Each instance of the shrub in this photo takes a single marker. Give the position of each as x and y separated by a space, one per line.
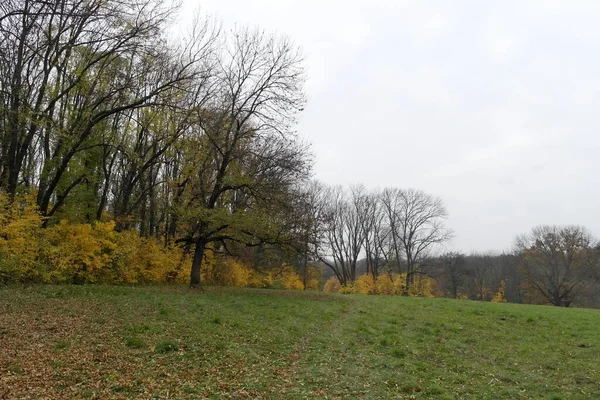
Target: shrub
364 284
166 346
20 226
314 277
332 285
287 278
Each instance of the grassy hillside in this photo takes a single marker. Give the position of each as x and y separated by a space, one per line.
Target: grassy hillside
119 342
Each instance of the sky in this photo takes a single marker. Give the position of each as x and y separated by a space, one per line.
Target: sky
494 106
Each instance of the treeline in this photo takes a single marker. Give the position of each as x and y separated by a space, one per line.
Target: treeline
393 241
130 156
106 117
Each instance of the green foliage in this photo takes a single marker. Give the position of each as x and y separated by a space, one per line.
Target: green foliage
135 342
166 346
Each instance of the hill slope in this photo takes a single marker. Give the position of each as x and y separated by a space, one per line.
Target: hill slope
118 342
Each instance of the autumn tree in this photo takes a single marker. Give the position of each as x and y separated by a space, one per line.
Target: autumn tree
558 262
69 71
242 156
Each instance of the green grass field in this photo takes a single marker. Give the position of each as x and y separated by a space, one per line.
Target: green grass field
120 342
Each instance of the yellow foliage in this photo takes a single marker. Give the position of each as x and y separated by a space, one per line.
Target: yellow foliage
499 297
364 284
313 277
259 279
347 289
20 224
96 253
141 260
422 286
228 272
390 284
332 285
79 253
287 278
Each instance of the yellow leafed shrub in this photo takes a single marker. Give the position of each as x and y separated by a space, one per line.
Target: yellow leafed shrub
228 272
79 253
499 297
364 284
314 276
388 284
146 260
20 224
332 285
287 278
422 286
260 279
96 253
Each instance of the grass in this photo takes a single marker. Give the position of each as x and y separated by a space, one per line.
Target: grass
121 342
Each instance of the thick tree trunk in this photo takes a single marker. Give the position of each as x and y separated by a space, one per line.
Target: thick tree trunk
197 263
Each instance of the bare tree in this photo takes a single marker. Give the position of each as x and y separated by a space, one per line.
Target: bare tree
375 232
309 213
343 233
416 223
453 269
558 262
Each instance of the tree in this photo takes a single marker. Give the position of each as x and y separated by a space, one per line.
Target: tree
242 158
416 223
375 233
69 71
558 262
453 269
343 233
309 212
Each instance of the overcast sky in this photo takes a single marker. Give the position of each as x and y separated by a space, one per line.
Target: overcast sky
492 105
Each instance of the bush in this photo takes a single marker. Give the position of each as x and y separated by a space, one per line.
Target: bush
166 346
332 285
20 226
79 253
287 278
384 284
228 272
314 277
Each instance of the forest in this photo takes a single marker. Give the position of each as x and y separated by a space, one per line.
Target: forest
132 152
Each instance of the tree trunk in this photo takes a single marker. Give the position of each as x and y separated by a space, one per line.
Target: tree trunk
197 263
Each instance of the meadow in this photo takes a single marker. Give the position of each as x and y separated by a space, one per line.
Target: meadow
172 342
